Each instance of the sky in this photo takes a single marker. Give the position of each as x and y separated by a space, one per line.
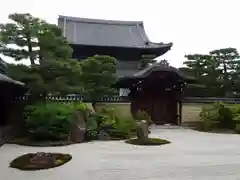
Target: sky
193 26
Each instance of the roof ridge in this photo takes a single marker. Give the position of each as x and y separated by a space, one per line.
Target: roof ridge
99 21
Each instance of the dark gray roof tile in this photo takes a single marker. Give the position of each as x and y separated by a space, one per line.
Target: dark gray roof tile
157 67
83 31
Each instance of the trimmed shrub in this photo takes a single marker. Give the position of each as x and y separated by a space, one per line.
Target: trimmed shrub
124 128
226 118
97 122
50 121
219 116
107 120
209 117
236 114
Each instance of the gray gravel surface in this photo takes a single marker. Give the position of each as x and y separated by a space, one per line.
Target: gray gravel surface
192 155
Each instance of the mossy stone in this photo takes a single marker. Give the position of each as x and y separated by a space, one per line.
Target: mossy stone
39 161
148 142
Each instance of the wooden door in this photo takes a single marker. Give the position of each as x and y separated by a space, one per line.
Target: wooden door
172 112
159 111
164 111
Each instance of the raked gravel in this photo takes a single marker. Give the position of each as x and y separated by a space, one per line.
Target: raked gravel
192 155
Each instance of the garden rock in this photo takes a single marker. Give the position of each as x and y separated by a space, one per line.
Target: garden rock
142 129
77 131
103 136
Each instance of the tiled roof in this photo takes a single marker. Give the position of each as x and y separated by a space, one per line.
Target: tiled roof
83 31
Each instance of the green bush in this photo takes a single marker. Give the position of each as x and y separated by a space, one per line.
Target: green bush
209 117
226 118
236 114
120 127
124 128
81 107
236 119
97 122
50 121
108 121
219 116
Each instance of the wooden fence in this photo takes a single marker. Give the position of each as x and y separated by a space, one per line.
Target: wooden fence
119 99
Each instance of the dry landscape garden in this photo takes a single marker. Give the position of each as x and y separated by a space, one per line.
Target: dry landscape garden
63 118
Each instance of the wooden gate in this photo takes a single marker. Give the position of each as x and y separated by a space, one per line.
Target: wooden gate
163 110
157 89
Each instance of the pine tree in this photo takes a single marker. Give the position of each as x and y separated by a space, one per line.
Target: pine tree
28 37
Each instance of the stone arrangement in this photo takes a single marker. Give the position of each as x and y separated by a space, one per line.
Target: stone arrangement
142 130
78 129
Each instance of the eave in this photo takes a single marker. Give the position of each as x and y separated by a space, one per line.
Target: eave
126 82
6 79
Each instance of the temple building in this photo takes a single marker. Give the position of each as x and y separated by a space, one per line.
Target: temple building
127 41
157 89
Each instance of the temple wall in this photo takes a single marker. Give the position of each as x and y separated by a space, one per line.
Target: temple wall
190 111
122 109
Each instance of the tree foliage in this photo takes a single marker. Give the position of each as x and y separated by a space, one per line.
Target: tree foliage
55 73
98 76
28 37
218 71
59 77
62 76
30 76
52 44
33 39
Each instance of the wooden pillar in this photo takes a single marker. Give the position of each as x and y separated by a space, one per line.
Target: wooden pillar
180 112
181 102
